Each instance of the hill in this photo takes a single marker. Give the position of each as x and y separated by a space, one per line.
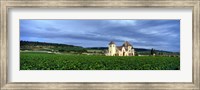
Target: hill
136 49
140 51
64 48
54 47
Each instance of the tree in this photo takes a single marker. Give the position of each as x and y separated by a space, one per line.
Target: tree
153 52
136 54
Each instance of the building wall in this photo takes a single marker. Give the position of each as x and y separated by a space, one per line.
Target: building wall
112 51
133 51
124 52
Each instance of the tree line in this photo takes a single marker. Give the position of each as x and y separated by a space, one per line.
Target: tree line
55 47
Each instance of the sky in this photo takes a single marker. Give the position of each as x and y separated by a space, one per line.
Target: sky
157 34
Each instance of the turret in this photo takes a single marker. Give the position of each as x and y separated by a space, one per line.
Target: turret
112 48
128 45
132 50
129 49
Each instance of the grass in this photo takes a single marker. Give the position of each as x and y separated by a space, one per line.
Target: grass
44 61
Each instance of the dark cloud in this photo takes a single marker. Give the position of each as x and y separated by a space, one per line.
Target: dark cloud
158 34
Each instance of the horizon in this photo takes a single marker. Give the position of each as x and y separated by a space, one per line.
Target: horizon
158 34
103 46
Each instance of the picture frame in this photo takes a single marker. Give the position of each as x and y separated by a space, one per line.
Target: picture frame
4 44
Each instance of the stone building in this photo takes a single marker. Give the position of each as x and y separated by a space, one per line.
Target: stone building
125 50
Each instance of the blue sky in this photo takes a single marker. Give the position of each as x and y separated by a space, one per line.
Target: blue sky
158 34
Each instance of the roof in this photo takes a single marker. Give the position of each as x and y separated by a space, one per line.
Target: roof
120 48
126 43
111 42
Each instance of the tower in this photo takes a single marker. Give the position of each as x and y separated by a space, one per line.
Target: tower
128 46
129 49
112 49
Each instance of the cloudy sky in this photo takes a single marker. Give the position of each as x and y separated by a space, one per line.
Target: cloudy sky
158 34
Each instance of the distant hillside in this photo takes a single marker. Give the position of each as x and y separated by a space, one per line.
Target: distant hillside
55 47
141 51
97 48
43 46
136 49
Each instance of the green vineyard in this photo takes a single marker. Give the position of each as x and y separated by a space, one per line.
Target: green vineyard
45 61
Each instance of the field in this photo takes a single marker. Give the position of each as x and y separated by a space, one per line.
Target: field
45 61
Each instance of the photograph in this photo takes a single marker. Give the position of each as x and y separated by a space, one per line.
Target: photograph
99 44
